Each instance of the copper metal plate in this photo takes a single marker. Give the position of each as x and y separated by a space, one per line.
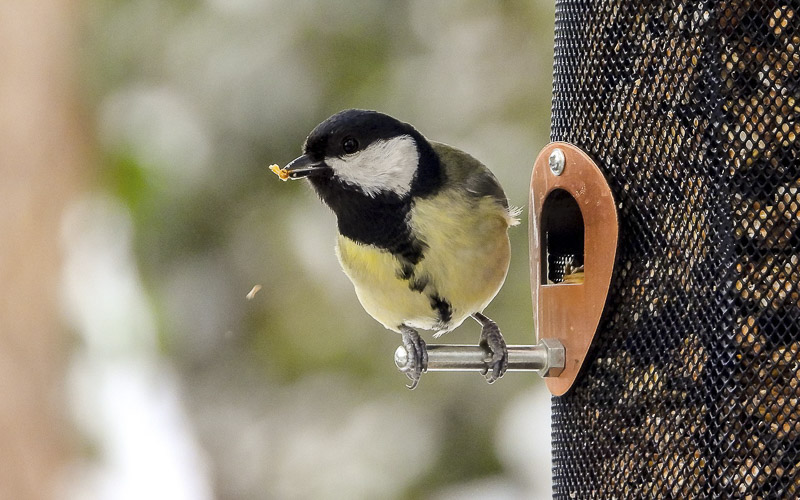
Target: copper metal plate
572 312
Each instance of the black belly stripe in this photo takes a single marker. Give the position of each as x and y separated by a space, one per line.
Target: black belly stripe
443 309
406 271
417 283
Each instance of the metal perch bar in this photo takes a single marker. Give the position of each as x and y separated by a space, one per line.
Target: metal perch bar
547 357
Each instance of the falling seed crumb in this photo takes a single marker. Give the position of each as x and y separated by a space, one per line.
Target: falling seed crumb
252 293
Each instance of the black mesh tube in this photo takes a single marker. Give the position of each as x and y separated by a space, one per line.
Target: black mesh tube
691 110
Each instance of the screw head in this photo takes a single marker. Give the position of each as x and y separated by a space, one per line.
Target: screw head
556 161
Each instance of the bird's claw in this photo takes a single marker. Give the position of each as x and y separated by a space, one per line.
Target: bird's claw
497 362
417 362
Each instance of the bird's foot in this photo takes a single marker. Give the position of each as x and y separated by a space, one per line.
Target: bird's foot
417 362
492 339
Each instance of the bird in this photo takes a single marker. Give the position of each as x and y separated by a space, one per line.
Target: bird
422 228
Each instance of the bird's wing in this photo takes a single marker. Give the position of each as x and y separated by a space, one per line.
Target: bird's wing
464 170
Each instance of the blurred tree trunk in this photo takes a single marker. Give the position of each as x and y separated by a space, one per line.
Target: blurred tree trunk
42 154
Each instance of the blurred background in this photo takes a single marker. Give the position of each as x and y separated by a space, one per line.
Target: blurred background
138 212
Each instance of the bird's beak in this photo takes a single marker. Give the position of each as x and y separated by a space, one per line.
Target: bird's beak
304 166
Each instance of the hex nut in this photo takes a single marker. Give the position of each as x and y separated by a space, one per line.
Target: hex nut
555 357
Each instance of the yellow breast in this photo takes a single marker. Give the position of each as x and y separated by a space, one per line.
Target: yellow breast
469 250
465 263
383 294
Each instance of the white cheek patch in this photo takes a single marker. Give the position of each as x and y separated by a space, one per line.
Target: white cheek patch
384 165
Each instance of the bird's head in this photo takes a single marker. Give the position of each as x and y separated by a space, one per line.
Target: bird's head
367 154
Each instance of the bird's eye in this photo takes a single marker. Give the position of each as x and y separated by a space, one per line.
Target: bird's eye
349 145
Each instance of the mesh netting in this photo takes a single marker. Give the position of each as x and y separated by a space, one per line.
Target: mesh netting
693 387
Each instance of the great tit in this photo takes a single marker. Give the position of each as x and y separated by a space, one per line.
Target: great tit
422 228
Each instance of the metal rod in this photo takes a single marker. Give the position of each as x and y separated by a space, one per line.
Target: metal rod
547 357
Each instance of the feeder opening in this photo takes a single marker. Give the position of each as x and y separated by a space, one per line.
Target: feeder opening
562 240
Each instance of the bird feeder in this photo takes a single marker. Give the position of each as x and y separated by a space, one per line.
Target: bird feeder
691 112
